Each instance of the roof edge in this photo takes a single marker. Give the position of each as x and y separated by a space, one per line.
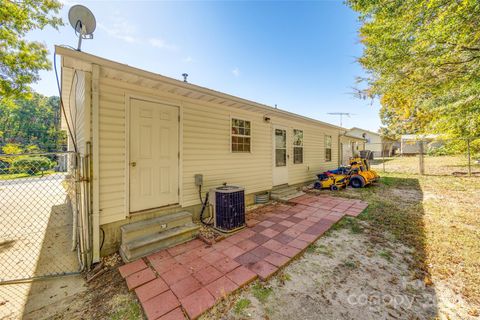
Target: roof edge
64 51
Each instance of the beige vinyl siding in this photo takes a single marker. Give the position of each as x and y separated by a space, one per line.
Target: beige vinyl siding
112 152
77 107
313 150
207 150
374 140
205 138
67 77
347 148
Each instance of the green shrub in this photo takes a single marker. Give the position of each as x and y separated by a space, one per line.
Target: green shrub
441 151
31 165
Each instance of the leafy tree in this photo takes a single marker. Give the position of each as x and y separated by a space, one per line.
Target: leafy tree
20 59
11 148
33 124
423 61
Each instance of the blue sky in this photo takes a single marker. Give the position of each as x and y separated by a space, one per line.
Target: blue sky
297 55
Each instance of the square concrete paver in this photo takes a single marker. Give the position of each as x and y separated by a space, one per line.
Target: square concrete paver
207 275
269 233
196 265
162 266
138 278
198 302
185 287
279 227
272 244
159 256
259 238
299 244
132 267
151 289
191 277
176 274
233 252
283 238
160 305
175 314
288 251
241 276
247 259
247 245
264 269
221 287
213 256
226 265
277 259
261 252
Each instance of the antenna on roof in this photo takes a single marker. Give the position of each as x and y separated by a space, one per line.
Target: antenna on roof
83 22
341 114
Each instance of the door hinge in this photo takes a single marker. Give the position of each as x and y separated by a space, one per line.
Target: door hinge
178 154
178 118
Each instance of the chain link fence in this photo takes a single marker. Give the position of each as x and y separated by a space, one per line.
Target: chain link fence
37 227
427 156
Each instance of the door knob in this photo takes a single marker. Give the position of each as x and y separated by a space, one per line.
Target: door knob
133 164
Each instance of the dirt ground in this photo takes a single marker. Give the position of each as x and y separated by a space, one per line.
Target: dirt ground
413 254
106 297
345 275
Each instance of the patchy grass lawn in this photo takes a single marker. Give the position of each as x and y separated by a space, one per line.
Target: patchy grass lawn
434 165
437 216
416 246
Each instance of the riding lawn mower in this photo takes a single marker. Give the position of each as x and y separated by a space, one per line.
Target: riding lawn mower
357 175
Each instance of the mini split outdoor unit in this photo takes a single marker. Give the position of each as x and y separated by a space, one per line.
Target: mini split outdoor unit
228 208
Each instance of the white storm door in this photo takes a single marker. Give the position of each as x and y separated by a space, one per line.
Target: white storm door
154 155
280 156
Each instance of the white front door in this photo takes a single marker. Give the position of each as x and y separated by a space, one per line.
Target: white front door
154 155
280 156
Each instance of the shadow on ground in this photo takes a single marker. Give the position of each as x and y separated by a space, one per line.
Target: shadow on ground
36 240
370 267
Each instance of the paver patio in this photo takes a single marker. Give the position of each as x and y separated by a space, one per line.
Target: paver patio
190 278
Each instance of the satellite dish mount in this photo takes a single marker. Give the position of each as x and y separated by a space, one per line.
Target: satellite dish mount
83 22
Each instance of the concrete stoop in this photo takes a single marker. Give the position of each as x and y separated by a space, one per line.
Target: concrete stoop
285 193
142 238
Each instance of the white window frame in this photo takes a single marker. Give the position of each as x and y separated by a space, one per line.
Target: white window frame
296 146
240 135
331 147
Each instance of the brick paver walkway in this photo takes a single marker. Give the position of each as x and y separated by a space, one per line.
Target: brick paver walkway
190 278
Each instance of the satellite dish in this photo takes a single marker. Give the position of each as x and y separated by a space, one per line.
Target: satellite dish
83 22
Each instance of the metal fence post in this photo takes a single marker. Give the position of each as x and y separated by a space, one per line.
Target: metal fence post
421 162
469 158
383 160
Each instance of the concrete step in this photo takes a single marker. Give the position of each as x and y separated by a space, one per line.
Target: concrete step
149 244
147 227
291 196
283 192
